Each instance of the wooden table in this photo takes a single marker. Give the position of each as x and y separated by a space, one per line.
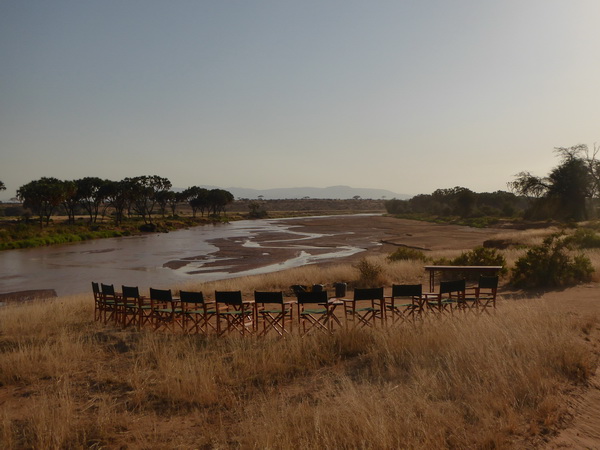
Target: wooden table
489 270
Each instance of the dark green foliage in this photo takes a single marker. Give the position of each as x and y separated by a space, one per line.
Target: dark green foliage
406 253
479 256
583 238
550 265
369 273
257 210
459 202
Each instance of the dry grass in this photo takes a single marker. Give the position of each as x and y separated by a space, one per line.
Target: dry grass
485 382
469 382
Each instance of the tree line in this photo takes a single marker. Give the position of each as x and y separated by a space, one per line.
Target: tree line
142 196
569 192
458 201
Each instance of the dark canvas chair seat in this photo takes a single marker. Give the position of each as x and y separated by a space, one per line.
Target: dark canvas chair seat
197 314
163 309
314 312
109 302
450 297
483 297
273 312
406 302
366 308
129 306
233 312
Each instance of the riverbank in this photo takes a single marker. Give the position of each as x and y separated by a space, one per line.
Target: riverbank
219 251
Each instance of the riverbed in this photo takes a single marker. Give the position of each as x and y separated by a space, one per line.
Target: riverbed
219 251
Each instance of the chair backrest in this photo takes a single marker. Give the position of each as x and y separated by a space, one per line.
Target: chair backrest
130 292
96 290
312 297
191 297
108 290
448 287
298 288
268 297
368 293
161 295
407 290
229 297
488 282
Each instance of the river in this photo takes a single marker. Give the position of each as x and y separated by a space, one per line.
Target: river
202 253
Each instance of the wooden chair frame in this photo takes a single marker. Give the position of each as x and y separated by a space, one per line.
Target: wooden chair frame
163 309
451 294
129 306
406 303
196 314
237 313
365 316
109 302
319 319
274 312
483 296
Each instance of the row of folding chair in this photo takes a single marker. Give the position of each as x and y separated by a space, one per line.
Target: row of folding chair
270 312
191 313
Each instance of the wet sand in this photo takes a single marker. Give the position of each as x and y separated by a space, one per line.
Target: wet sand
375 234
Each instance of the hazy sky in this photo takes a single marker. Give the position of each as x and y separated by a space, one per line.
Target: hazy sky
408 96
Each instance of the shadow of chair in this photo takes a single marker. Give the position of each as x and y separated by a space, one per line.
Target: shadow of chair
274 313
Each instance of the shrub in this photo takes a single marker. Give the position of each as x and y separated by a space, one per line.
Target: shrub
406 253
370 273
550 265
584 238
479 256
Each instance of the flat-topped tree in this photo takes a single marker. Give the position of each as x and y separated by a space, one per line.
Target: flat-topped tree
42 196
145 190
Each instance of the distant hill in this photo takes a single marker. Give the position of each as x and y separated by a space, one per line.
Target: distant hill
333 192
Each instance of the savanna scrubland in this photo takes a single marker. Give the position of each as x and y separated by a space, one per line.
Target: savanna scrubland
510 379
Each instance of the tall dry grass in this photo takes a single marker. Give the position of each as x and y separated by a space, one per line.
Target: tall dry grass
494 381
464 382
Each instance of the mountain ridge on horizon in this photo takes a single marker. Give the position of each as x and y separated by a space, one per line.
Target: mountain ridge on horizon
330 192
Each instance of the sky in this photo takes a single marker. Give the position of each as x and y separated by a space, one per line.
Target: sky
408 96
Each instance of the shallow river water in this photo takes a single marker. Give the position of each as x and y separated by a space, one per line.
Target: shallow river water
161 260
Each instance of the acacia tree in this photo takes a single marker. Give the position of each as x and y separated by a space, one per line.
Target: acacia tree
218 199
70 200
146 192
2 187
197 198
118 195
42 196
165 199
564 192
91 195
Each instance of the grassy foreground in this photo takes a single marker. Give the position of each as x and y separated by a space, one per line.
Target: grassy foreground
471 382
494 381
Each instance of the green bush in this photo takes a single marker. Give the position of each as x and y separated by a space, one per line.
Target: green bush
407 254
584 238
370 273
550 265
479 256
